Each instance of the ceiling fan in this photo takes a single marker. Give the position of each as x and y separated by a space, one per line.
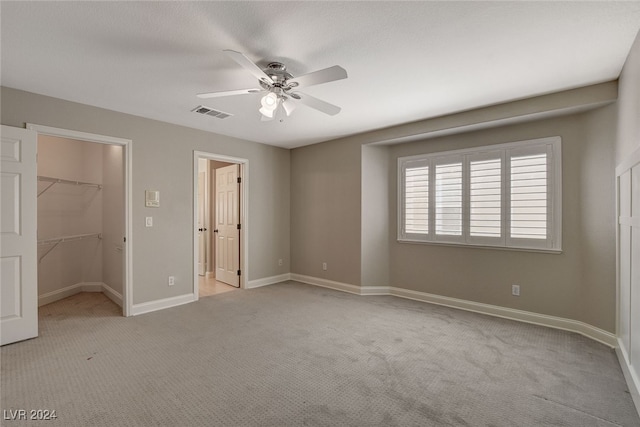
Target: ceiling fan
280 87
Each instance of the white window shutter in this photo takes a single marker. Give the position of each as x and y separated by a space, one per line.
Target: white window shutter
448 198
529 194
416 199
485 198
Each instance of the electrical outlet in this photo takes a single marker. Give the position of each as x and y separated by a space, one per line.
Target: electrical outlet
148 221
324 266
515 290
280 262
172 280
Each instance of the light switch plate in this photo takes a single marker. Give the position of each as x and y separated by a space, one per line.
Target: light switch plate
148 221
152 198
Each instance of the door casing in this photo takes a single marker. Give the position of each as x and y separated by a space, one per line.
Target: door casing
127 289
244 217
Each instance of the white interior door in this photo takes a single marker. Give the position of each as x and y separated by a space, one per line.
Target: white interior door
18 253
202 223
227 223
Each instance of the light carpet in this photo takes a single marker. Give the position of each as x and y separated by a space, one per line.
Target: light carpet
297 355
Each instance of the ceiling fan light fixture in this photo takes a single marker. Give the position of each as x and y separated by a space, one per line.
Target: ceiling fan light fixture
269 101
288 107
267 112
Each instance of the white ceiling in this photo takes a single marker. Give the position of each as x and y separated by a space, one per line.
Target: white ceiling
406 60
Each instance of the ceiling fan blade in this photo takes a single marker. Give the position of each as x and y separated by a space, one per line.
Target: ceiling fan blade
249 65
321 76
228 93
316 103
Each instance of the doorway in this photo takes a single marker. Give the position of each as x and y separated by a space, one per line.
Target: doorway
84 213
220 226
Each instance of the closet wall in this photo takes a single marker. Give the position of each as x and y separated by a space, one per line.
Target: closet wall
87 264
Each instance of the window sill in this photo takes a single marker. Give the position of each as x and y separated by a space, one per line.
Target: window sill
479 246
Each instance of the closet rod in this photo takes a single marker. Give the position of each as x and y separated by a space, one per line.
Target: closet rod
57 240
54 181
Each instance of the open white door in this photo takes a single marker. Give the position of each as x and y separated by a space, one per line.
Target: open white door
202 224
18 252
227 226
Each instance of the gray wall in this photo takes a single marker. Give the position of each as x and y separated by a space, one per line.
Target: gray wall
375 216
331 209
629 105
113 216
325 210
163 160
577 284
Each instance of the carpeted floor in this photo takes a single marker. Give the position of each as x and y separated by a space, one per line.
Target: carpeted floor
295 355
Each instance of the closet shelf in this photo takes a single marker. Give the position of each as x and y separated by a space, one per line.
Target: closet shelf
54 181
55 241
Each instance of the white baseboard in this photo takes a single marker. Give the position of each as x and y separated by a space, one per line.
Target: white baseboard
630 375
59 294
581 328
325 283
375 290
265 281
112 294
161 304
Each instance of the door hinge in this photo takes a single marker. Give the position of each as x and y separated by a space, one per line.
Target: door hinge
239 180
125 240
238 272
239 227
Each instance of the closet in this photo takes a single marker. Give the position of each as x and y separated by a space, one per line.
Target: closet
80 219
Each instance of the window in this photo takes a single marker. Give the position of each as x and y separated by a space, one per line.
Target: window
506 195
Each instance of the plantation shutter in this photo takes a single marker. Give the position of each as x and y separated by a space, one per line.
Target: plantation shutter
416 199
485 197
448 197
529 196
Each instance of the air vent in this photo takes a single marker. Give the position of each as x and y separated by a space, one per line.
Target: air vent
201 109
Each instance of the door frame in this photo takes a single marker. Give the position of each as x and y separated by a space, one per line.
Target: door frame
127 289
244 217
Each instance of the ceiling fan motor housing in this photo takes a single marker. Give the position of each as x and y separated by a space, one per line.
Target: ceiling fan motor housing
277 71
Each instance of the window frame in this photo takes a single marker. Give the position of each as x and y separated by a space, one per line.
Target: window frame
505 151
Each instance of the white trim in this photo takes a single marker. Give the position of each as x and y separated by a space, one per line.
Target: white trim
59 294
554 322
630 375
266 281
581 328
68 291
325 283
112 294
161 304
375 290
553 241
244 215
127 144
630 161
